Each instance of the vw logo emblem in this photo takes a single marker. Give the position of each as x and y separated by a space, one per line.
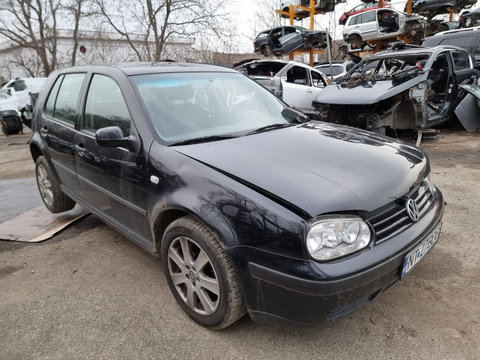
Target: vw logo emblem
412 210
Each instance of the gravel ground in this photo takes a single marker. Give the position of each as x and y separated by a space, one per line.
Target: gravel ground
89 293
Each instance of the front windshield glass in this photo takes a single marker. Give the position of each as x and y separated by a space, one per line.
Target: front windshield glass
188 106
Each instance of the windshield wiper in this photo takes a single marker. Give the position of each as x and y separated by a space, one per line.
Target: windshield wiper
269 127
203 139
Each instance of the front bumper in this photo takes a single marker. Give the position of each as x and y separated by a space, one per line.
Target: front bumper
304 292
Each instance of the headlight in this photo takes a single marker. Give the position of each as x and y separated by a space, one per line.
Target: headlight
335 236
430 185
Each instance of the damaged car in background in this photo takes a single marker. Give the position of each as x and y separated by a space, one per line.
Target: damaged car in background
412 88
285 39
320 6
432 8
382 24
295 83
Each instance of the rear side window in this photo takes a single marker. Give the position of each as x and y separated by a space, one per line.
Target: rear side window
461 60
105 106
62 101
354 20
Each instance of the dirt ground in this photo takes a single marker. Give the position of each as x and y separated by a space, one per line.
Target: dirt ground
89 293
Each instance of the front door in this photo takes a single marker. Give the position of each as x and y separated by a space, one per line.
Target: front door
297 89
113 180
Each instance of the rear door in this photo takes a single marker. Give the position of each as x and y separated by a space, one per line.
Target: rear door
368 26
58 126
113 180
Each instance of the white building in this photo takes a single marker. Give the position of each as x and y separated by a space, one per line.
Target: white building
94 47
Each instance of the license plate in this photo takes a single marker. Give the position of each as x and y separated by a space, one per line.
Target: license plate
414 256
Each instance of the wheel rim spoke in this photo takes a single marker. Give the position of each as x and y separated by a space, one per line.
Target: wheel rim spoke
207 303
201 260
190 296
187 256
177 259
178 279
210 284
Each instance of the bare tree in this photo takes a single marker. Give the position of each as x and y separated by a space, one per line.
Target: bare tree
79 10
265 15
147 25
32 24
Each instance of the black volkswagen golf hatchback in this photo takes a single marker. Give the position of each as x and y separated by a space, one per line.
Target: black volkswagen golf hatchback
250 207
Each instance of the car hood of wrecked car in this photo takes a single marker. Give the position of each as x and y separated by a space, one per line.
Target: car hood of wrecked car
317 167
366 93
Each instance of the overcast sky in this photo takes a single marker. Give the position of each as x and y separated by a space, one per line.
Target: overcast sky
246 10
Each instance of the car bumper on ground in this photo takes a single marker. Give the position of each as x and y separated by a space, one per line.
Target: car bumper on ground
304 292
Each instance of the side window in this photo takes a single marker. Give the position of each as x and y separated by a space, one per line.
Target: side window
298 75
461 60
354 20
368 17
62 104
317 80
105 106
50 104
461 41
19 85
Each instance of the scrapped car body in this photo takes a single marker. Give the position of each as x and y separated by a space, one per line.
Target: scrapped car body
295 83
285 39
382 24
323 6
470 19
249 207
468 39
400 89
359 9
468 111
432 8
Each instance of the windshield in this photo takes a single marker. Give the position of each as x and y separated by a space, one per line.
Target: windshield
188 106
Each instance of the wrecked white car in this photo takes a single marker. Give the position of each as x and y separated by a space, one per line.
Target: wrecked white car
382 24
295 83
413 88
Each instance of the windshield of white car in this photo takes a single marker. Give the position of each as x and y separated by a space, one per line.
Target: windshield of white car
187 106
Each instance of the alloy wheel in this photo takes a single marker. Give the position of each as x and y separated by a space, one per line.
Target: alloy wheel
45 185
193 276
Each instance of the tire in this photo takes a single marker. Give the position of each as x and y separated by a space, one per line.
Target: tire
266 50
206 288
53 198
356 41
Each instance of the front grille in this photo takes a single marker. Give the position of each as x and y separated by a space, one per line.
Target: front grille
393 218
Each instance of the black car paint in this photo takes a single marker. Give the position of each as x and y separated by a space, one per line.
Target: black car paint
260 217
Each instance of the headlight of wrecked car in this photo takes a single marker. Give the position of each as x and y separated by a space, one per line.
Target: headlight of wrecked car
331 237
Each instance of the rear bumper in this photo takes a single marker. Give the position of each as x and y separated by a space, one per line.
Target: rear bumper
302 292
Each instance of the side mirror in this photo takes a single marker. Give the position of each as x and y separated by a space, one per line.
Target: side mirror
112 136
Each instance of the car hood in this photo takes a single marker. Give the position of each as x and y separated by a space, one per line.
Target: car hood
317 168
367 94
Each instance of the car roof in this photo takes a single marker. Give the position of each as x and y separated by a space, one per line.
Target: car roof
139 68
455 31
415 51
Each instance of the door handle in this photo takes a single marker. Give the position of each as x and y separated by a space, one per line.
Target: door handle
44 130
80 149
